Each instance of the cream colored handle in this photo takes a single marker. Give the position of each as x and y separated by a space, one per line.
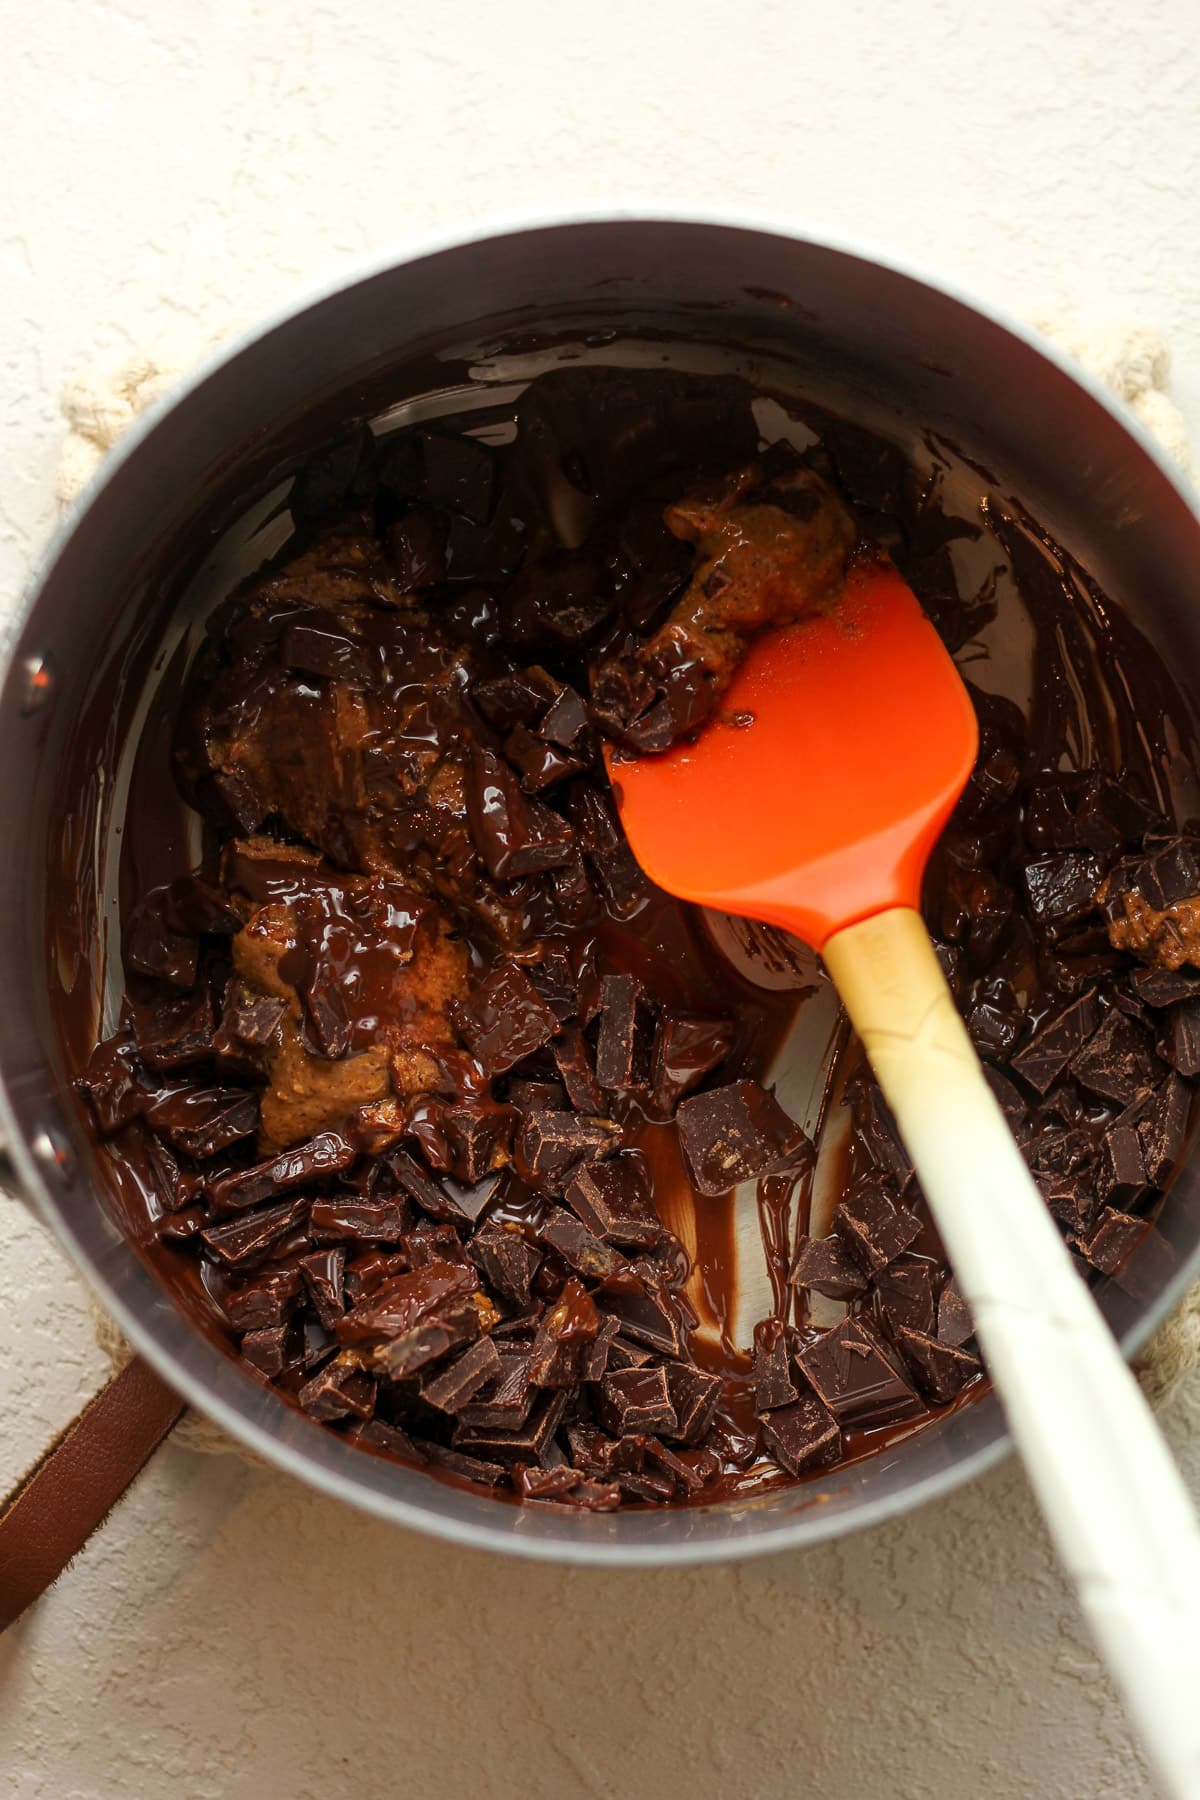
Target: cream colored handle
1116 1506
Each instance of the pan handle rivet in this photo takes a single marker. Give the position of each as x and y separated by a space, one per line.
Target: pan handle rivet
38 683
53 1150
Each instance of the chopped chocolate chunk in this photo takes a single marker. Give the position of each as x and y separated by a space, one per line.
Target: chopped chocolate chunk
266 1349
636 1400
540 764
802 1436
878 1135
954 1322
613 1200
318 647
825 1265
373 1434
875 1228
905 1293
1120 1174
621 1353
856 1377
506 1261
457 1322
325 1154
549 1143
460 474
239 1240
193 907
323 1273
441 1199
612 862
1181 1045
564 718
109 1084
403 1302
772 1377
203 1121
942 1370
479 1136
514 834
1062 888
417 545
177 1033
1118 1061
537 1096
343 1218
544 1484
526 1443
579 1249
454 1385
737 1133
1042 1060
1113 1240
563 1339
151 948
504 1020
466 1468
1165 987
265 1301
686 1049
338 1391
1163 1129
638 1296
507 1398
623 1043
574 1060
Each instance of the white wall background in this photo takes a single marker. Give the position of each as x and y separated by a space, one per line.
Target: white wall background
167 166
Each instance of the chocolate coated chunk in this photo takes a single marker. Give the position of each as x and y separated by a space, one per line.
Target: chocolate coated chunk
177 1033
686 1049
564 719
1165 987
635 1400
151 948
405 1300
467 1468
1181 1045
878 1135
1042 1060
586 1254
459 474
325 1154
772 1376
560 1350
504 1020
1120 1174
417 546
544 1484
611 861
613 1200
954 1322
323 1273
506 1261
802 1436
266 1349
193 907
340 1390
239 1240
373 1434
342 1217
538 1096
638 1297
264 1302
520 697
506 1400
453 1386
905 1293
540 764
247 1026
623 1042
1118 1061
455 1323
434 1197
1062 888
574 1061
856 1378
1172 874
826 1266
203 1121
110 1086
1113 1240
737 1133
1163 1129
942 1370
316 645
549 1143
875 1228
528 1443
514 834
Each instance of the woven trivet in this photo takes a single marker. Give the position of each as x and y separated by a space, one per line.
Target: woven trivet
1129 359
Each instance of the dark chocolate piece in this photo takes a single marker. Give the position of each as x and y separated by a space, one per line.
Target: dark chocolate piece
772 1373
1113 1240
564 719
110 1086
638 1297
802 1436
1163 1129
527 1443
239 1240
265 1301
1118 1061
405 1300
1165 987
856 1377
550 1143
579 1249
506 1261
323 1272
454 1385
1042 1060
562 1343
826 1266
151 948
506 1400
338 1391
203 1121
514 833
623 1042
613 1200
483 1473
636 1400
1181 1045
905 1293
504 1020
737 1133
266 1349
1120 1172
1062 888
875 1228
611 861
686 1049
342 1218
325 1154
574 1061
177 1033
954 1322
942 1370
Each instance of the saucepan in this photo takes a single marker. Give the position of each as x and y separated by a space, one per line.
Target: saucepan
857 331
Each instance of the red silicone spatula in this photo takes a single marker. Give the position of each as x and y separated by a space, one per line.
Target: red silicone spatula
817 811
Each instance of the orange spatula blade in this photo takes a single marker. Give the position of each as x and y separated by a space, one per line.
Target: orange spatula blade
822 805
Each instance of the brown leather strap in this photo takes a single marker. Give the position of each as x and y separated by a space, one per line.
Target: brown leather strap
55 1508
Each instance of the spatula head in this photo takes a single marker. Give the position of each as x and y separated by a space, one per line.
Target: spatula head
816 795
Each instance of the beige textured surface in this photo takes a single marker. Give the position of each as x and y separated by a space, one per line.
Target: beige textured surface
174 165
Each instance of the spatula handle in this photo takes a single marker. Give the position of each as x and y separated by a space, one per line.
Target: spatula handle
1114 1501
